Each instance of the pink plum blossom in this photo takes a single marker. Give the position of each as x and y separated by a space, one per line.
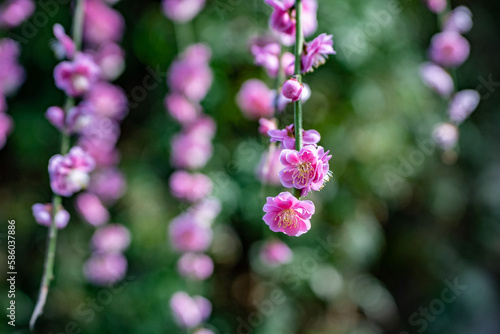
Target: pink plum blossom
188 234
91 209
182 10
104 154
113 238
70 173
275 252
255 100
105 268
56 117
110 58
64 47
436 6
205 211
195 266
267 170
189 312
5 128
190 150
267 56
437 78
182 109
11 72
102 24
459 20
15 12
445 135
43 215
316 52
449 49
292 89
282 101
266 125
78 118
191 187
108 184
287 137
463 104
76 77
299 167
287 214
108 100
288 63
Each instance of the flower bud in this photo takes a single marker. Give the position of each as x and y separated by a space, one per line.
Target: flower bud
292 89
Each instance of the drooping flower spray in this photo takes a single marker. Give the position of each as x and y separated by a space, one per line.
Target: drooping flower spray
449 49
189 79
91 114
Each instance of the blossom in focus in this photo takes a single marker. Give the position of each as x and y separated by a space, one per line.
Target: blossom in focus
189 312
91 209
191 187
292 89
188 234
282 101
255 100
102 24
195 266
64 47
105 268
70 173
275 252
316 52
268 169
449 49
43 215
322 175
437 78
112 238
287 214
76 77
463 104
445 135
460 20
299 168
287 137
182 109
182 10
15 12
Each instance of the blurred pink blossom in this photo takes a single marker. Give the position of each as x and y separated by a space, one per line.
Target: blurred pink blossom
287 137
76 77
182 10
56 117
15 12
105 268
269 166
110 58
111 239
189 312
64 47
108 184
182 109
187 234
266 125
191 187
459 20
108 100
195 266
275 252
449 49
463 104
102 24
91 209
445 135
43 215
190 150
437 78
255 100
267 56
436 6
11 72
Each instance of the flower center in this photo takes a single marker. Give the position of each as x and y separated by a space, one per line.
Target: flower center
287 218
304 172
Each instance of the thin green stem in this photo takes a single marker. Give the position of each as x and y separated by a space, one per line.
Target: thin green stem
48 269
297 107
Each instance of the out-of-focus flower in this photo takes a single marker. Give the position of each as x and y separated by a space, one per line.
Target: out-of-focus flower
107 100
292 89
275 253
255 100
203 331
191 187
64 47
316 52
5 128
76 77
113 238
181 109
15 12
437 78
195 266
102 24
287 214
267 56
449 49
70 173
104 154
463 104
111 60
56 117
182 10
91 209
287 137
266 125
445 135
268 169
187 234
459 20
43 215
190 75
436 6
11 72
288 63
190 150
109 184
78 118
105 268
205 211
189 312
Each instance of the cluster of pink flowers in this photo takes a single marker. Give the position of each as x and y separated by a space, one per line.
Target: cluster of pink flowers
91 165
189 79
448 50
12 14
304 168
